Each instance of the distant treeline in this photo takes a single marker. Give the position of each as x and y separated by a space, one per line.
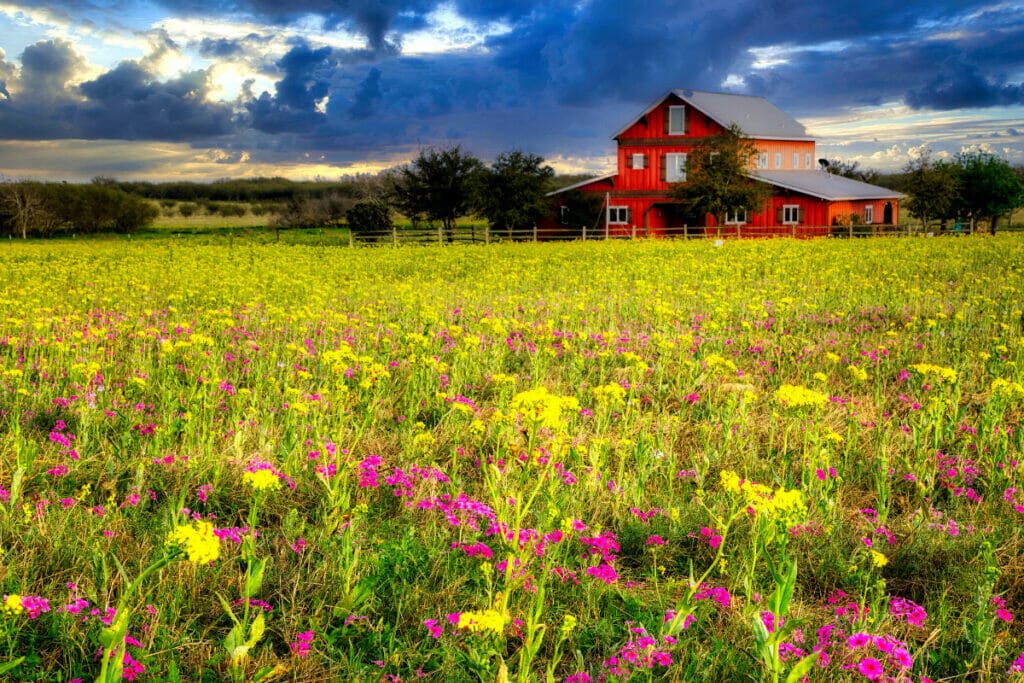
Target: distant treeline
268 190
45 209
275 190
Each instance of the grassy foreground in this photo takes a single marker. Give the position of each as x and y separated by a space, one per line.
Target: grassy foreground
601 461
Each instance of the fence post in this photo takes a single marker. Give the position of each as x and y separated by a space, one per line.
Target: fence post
792 230
534 232
351 240
739 231
487 234
850 229
394 235
584 232
634 232
440 233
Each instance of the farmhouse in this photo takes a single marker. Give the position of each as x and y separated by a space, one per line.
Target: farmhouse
652 153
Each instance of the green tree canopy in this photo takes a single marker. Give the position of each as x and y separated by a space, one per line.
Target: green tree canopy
438 185
717 180
933 187
512 191
989 187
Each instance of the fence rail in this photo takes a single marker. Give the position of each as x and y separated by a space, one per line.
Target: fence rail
484 235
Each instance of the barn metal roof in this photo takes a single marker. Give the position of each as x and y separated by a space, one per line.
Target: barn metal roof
825 185
580 184
756 116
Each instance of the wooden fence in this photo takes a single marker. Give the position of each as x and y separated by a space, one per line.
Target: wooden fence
484 235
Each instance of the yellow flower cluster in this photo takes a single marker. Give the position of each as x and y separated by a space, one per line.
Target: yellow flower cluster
798 396
611 394
12 604
878 559
482 621
858 374
940 373
200 544
262 480
786 506
543 408
1010 391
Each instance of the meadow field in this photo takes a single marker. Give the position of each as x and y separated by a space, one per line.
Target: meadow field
772 460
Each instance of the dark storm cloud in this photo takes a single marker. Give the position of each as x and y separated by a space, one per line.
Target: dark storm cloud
47 66
127 103
367 96
958 84
562 67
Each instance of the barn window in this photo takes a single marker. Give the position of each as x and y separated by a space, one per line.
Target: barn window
563 214
618 215
791 214
675 168
796 160
762 160
677 120
639 161
778 160
807 161
736 216
869 213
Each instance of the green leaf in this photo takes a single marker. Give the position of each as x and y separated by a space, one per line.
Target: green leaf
227 608
760 630
256 630
254 581
802 668
11 665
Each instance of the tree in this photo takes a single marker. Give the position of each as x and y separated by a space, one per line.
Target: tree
369 219
852 169
438 185
717 180
24 205
933 187
512 191
989 187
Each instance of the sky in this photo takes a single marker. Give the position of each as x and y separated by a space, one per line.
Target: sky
206 89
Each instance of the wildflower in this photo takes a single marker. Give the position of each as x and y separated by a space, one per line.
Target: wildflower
486 620
35 605
878 559
262 480
198 540
434 628
12 604
300 646
870 668
797 396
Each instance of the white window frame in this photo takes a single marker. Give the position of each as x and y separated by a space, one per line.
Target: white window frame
762 160
778 160
796 160
869 214
672 129
675 172
790 214
736 216
638 161
618 215
807 160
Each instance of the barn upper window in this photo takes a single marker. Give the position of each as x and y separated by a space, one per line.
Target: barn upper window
677 120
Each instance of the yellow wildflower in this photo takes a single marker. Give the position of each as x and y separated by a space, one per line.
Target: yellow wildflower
542 407
878 559
12 604
485 620
262 480
198 541
797 396
940 373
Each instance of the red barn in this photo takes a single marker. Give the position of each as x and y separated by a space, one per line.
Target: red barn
652 152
